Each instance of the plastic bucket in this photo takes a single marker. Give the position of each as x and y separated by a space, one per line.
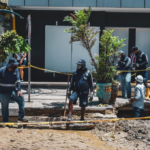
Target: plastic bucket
104 92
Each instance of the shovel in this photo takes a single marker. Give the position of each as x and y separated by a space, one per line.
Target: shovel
64 117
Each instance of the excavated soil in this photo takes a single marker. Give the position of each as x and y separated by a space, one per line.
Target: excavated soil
131 135
35 139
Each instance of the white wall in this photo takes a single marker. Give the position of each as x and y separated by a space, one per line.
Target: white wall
62 56
122 33
57 49
143 42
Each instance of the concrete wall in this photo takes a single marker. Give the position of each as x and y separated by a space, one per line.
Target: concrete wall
83 3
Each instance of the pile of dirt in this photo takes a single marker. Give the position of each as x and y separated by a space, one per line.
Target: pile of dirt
134 134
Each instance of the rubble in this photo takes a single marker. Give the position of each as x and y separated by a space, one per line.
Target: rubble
132 133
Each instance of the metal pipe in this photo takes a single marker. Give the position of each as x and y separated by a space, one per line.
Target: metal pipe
13 19
11 12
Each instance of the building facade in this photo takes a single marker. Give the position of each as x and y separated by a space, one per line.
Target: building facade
50 45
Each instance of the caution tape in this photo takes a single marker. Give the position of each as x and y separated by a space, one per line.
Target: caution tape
24 67
44 69
71 122
49 70
133 74
134 70
148 69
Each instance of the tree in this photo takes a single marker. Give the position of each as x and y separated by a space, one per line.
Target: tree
11 42
82 32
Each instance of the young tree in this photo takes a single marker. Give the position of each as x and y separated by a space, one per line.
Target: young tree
11 42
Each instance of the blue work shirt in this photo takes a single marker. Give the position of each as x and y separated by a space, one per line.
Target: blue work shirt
139 95
81 81
124 64
142 60
9 80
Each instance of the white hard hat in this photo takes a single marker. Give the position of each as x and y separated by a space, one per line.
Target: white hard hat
139 78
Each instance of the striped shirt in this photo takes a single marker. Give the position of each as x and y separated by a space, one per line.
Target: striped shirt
133 58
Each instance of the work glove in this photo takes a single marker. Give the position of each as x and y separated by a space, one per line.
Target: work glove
136 65
91 95
69 94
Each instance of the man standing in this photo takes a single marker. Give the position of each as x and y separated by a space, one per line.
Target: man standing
81 82
133 61
141 63
125 76
9 76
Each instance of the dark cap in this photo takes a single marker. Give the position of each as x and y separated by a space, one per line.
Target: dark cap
12 61
82 62
133 48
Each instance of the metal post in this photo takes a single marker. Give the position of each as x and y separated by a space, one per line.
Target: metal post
29 56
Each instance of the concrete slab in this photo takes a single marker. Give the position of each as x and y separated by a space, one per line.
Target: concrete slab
51 101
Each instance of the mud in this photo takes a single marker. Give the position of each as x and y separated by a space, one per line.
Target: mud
31 139
134 134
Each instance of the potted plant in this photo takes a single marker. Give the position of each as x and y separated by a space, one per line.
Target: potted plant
104 64
11 42
107 87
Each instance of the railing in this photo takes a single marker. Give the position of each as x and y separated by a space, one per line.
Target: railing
75 3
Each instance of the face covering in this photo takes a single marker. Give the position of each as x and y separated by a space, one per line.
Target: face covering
137 53
79 67
123 56
13 67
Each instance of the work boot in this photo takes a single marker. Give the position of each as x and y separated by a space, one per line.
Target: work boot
147 94
82 119
69 117
23 119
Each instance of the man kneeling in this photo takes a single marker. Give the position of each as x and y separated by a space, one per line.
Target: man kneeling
9 76
83 81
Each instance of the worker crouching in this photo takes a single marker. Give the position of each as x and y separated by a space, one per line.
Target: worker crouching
9 77
81 83
138 100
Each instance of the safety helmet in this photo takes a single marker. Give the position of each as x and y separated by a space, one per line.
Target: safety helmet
133 48
82 62
121 52
139 78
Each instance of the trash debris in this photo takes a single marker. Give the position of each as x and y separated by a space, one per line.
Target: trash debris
34 133
12 140
19 130
102 105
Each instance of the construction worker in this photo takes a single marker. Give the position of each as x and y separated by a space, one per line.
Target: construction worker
133 60
125 76
141 63
10 89
139 96
81 83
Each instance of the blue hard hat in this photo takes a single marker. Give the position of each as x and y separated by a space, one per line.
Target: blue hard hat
82 62
133 48
121 52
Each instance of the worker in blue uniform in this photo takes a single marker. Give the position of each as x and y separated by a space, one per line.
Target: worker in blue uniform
10 89
141 66
125 76
81 83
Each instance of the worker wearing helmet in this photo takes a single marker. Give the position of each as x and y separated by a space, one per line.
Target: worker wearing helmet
141 65
125 75
81 83
138 100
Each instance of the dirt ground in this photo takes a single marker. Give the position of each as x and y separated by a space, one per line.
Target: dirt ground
134 134
35 139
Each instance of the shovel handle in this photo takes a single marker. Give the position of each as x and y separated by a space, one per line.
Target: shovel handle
66 95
